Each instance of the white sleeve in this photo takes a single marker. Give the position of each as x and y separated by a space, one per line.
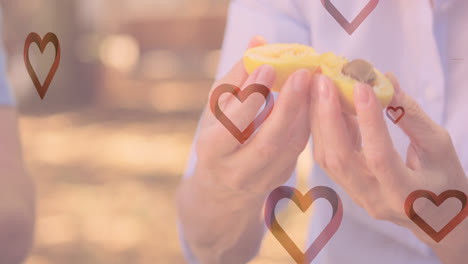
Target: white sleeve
277 21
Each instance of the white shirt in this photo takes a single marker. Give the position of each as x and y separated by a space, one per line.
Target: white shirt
425 47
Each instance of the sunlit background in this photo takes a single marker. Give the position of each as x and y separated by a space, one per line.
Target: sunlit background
108 145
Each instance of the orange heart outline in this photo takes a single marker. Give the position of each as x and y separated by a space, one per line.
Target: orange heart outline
350 27
303 202
42 43
437 200
241 95
395 109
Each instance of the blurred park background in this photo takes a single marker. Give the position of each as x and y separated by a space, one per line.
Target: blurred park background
109 143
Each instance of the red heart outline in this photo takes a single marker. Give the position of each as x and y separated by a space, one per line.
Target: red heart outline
395 109
437 200
241 95
49 37
350 27
303 202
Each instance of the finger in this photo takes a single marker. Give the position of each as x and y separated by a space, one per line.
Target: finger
338 157
317 149
335 136
240 115
255 41
378 148
353 128
422 131
280 129
244 113
238 75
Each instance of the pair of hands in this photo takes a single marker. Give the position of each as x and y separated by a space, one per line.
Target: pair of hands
356 151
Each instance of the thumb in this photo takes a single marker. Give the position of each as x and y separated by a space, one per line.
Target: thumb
423 132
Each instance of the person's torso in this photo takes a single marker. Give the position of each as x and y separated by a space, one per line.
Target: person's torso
425 47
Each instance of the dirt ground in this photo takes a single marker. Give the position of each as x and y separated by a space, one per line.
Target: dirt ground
106 180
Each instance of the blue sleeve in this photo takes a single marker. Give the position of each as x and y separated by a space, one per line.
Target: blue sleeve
6 97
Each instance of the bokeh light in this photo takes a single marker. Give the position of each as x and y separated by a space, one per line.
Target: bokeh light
120 52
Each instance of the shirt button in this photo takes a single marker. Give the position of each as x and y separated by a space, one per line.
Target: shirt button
430 94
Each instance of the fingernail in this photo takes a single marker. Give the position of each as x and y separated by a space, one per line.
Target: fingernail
301 80
318 70
266 76
259 38
361 94
255 41
324 90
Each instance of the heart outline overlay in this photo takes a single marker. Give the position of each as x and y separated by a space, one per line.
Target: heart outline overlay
241 95
395 109
42 44
344 23
303 202
437 200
